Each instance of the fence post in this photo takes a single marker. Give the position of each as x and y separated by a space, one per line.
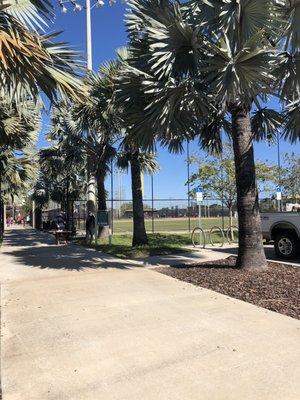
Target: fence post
112 197
152 202
189 186
33 214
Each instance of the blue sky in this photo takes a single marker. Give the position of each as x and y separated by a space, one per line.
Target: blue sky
109 34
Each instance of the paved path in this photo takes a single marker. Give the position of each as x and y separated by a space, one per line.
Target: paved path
80 326
209 253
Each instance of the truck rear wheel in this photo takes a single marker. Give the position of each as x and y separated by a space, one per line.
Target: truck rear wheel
286 245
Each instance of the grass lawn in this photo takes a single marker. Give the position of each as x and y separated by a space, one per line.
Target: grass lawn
159 244
170 224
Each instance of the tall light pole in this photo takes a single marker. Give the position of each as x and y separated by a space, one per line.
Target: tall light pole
188 182
279 194
91 181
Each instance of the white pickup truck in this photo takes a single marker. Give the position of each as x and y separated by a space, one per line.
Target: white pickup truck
284 229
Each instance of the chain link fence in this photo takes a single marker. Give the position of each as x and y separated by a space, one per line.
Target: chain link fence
177 216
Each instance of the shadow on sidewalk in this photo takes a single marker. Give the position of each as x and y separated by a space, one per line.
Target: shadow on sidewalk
21 237
36 250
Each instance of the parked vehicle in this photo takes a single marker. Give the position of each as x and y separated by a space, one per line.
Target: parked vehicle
283 228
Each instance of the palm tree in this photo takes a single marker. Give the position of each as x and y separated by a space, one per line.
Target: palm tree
67 130
139 162
31 62
19 124
101 151
99 116
131 154
19 127
210 63
96 115
62 174
17 172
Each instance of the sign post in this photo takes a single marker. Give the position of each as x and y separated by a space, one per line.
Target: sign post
199 195
279 197
104 220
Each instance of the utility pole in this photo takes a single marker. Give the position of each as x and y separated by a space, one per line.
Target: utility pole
91 181
279 174
33 214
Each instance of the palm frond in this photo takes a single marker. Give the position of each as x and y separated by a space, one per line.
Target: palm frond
291 127
19 124
30 63
266 124
31 13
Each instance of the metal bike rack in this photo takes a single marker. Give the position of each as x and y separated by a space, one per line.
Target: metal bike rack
200 231
232 227
218 229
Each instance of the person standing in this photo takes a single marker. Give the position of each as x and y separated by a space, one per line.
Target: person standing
90 227
60 222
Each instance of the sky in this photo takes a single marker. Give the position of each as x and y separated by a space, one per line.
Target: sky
108 33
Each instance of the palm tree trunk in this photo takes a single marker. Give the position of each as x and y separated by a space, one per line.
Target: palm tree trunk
101 191
251 253
2 216
103 231
139 230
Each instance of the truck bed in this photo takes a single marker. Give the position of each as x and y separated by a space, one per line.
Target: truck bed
286 220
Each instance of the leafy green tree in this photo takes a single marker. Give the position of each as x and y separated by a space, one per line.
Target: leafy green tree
209 64
290 177
216 174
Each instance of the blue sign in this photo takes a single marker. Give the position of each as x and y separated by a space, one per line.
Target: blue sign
279 194
199 190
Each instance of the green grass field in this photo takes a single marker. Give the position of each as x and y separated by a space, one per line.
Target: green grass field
170 224
159 244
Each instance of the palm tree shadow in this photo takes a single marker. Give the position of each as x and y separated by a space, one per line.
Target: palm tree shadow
71 258
26 237
36 249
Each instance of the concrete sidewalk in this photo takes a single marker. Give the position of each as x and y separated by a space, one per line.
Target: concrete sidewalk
79 326
210 253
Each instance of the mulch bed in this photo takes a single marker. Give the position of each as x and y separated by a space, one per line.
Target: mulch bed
276 288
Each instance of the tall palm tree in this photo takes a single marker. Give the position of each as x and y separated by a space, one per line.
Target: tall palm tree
211 63
17 172
131 154
101 150
62 174
139 163
99 116
19 127
68 126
